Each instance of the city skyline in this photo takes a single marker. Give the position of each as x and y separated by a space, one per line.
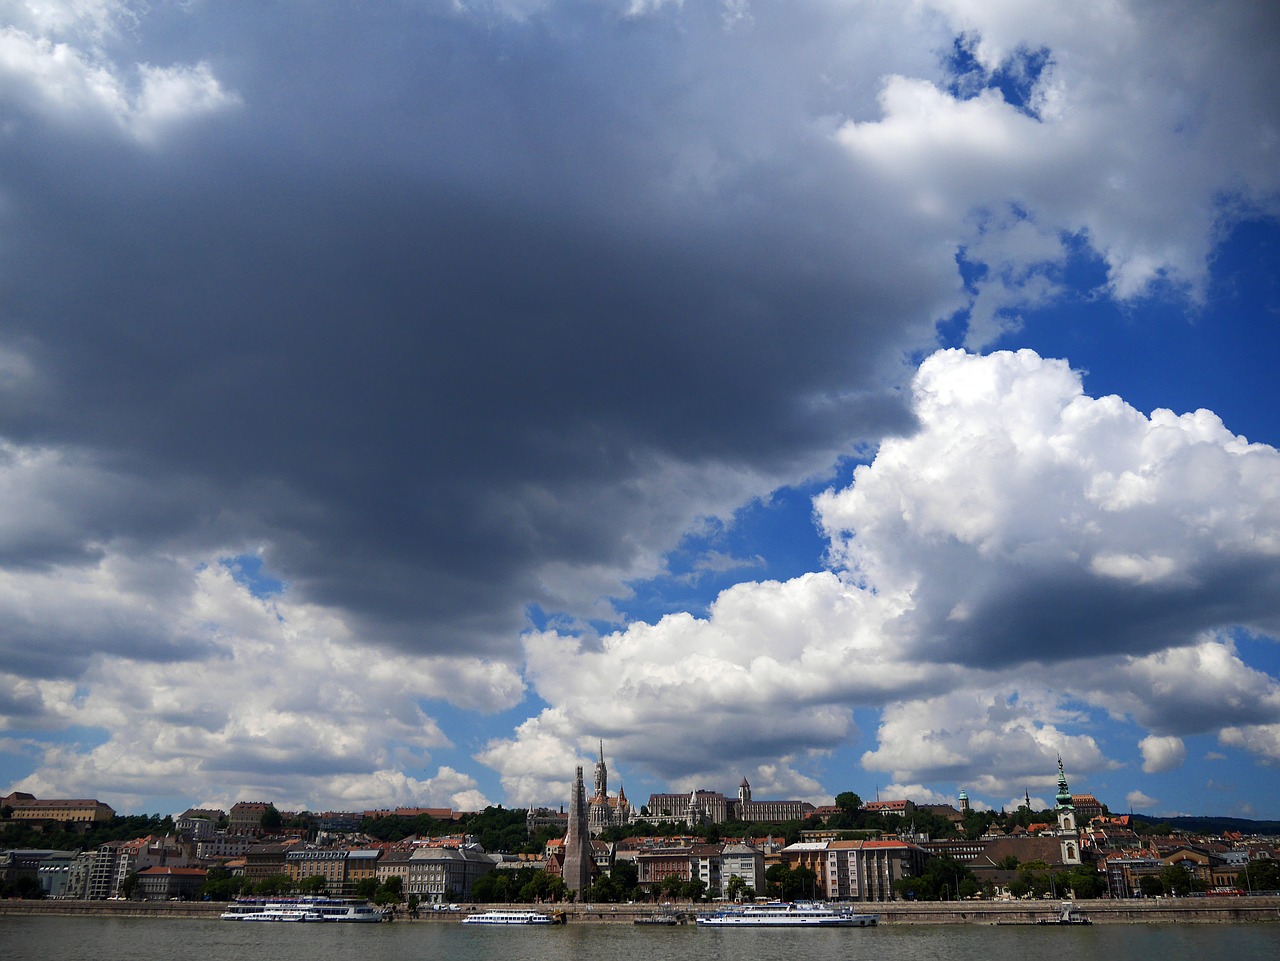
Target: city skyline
395 401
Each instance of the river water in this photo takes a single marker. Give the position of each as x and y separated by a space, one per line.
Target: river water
152 939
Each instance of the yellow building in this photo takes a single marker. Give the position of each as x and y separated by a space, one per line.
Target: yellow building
81 813
327 863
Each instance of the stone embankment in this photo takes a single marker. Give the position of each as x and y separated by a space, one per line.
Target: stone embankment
1158 910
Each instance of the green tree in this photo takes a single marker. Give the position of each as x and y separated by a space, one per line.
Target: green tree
789 883
367 888
774 877
627 876
734 888
1150 885
1175 880
671 886
695 889
912 889
1260 875
976 823
848 802
542 886
273 884
1036 876
221 885
271 821
129 884
604 889
1085 882
29 889
315 884
391 891
489 889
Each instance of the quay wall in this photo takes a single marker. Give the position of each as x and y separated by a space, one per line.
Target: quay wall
1146 911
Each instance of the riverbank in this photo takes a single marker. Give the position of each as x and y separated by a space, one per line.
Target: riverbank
1149 911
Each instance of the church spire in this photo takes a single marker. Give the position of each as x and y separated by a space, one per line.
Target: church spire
577 842
1064 792
602 778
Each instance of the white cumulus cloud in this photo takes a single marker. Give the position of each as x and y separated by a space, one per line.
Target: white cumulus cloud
968 601
1162 753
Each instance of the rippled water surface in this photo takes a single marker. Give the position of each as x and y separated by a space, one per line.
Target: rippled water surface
144 939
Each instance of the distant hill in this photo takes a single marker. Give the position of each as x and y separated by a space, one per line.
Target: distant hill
1212 825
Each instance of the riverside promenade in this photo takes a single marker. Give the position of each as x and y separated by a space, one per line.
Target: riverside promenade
1142 911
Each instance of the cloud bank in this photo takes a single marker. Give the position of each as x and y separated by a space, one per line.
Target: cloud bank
447 312
988 570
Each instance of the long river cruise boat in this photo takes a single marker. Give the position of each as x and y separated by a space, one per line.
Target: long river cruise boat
788 914
303 910
509 917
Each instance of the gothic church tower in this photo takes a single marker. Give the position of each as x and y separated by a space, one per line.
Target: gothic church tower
1065 809
602 777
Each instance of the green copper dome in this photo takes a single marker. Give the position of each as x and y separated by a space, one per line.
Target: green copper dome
1064 792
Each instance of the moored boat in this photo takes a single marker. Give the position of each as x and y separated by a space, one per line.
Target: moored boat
1068 914
508 917
303 909
788 914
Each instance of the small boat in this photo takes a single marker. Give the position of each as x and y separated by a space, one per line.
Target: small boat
787 914
1067 915
508 917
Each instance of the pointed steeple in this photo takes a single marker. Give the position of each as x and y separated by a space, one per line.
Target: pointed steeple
1064 792
602 778
577 842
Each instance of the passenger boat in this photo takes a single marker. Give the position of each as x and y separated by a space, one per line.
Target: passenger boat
788 914
303 909
1068 914
508 917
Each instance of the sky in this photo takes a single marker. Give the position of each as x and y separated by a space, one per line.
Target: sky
399 399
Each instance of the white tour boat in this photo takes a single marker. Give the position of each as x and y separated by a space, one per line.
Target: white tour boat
302 909
508 917
788 914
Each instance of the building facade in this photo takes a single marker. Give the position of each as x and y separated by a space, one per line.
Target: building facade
655 865
327 863
167 883
701 807
742 860
77 813
440 875
867 870
245 817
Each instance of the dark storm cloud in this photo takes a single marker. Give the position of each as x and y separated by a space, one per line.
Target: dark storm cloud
435 307
1068 614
